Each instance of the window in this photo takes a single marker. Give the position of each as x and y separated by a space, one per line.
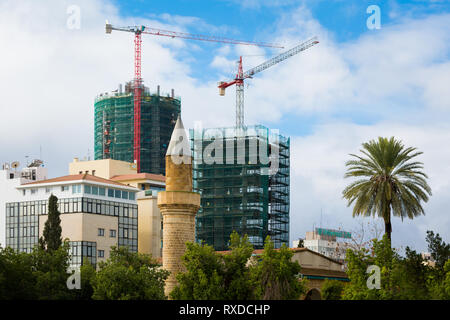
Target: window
64 188
124 194
87 189
66 206
76 188
101 253
33 191
125 233
117 193
48 190
101 191
11 232
101 232
112 233
111 193
131 196
94 190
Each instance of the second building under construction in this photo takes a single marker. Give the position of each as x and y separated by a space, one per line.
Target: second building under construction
239 192
114 126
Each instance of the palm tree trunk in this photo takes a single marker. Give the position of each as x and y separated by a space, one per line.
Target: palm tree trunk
388 228
387 224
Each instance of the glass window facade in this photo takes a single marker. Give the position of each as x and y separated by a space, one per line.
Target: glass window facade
82 251
22 219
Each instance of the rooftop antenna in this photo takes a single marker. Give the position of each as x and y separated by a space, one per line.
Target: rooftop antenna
15 165
26 157
321 217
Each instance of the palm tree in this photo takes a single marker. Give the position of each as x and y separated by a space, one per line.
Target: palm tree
389 182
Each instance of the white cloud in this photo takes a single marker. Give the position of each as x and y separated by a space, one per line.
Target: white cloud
318 167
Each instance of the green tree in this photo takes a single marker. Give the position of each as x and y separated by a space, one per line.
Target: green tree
239 285
381 255
277 275
405 278
213 276
332 289
412 276
440 288
37 275
129 276
439 250
87 274
17 280
51 239
439 278
50 272
388 181
203 279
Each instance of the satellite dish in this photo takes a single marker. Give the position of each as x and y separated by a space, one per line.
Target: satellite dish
15 164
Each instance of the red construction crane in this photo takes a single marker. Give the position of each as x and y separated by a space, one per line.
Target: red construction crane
138 30
241 76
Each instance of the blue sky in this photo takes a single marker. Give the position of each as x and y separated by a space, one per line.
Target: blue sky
256 21
356 85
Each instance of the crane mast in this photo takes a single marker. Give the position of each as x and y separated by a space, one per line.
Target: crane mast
241 76
137 82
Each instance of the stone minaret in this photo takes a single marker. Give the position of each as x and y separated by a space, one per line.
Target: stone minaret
178 204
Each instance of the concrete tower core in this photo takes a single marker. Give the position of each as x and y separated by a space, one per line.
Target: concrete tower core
178 204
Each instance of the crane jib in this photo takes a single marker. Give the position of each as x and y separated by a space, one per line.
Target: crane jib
282 56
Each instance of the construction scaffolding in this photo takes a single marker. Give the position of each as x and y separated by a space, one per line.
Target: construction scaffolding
241 192
114 126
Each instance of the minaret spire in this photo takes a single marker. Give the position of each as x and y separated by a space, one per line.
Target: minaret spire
178 204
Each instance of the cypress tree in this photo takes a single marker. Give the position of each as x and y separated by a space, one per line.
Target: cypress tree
52 240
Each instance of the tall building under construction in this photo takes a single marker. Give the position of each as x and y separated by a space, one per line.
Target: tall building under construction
114 126
238 190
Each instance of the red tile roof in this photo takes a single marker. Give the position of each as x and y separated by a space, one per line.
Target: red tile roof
260 251
142 175
75 177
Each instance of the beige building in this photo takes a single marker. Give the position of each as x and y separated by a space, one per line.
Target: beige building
315 267
143 181
149 215
105 168
150 233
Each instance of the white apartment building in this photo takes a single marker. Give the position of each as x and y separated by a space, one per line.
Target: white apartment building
96 213
10 178
324 241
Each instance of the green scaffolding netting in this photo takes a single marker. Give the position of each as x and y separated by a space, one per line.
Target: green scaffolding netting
114 128
238 194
